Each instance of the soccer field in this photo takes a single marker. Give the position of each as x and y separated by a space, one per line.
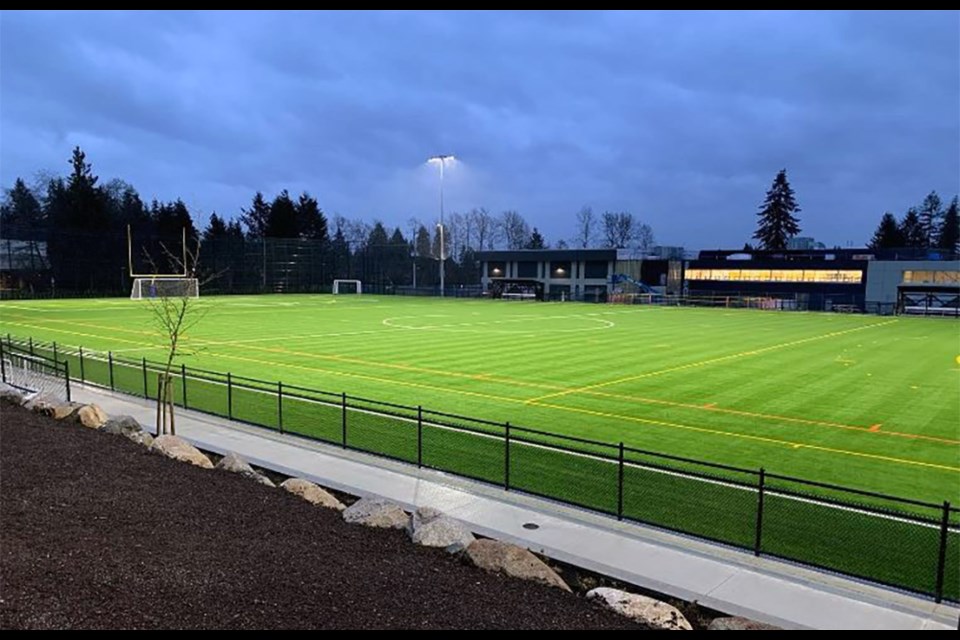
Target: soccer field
865 401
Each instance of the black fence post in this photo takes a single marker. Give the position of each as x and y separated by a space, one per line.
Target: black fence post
3 364
66 376
229 396
419 436
183 380
620 484
506 459
55 352
110 363
760 491
343 418
942 560
280 405
146 392
83 377
31 345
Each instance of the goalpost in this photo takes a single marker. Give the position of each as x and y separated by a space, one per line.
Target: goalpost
163 285
347 286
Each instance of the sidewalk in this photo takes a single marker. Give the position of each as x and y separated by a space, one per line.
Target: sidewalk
715 576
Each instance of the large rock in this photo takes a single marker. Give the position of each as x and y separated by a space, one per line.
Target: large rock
647 611
141 438
121 426
235 464
431 528
10 394
128 427
179 449
312 493
373 512
91 416
52 406
514 561
736 623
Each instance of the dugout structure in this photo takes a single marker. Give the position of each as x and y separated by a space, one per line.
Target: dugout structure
516 289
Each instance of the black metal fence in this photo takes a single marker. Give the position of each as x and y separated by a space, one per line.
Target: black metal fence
903 543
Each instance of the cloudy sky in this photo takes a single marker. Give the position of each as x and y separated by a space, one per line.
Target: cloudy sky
680 118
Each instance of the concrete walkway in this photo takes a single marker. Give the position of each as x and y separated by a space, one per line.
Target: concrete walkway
715 576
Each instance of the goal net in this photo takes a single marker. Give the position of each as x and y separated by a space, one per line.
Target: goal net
347 286
144 288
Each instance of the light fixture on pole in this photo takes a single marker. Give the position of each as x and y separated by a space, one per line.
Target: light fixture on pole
441 160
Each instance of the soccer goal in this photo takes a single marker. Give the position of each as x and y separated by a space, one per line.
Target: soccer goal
168 287
347 286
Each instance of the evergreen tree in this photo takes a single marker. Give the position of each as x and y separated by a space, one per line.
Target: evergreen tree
887 235
282 220
949 235
21 208
216 229
777 220
339 255
931 216
912 230
311 222
536 240
255 218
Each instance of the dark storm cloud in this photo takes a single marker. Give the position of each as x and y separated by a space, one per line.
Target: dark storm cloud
681 118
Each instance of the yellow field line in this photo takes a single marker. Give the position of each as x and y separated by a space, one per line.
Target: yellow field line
514 382
703 363
732 434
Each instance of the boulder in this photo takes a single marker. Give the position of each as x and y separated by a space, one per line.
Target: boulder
431 528
312 493
42 404
647 611
128 427
121 426
10 394
64 410
91 416
142 438
373 512
736 623
235 464
179 449
513 561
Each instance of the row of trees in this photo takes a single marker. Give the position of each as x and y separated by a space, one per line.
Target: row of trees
928 226
83 223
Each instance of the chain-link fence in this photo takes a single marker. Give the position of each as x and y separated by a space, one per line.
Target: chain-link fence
30 371
908 544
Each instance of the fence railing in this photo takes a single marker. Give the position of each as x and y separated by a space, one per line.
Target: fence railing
907 544
34 372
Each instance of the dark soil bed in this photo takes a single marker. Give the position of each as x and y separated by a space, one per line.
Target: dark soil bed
96 532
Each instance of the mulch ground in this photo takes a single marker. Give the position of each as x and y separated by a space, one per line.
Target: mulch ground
96 532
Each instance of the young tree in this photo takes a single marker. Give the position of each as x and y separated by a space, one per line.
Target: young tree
949 236
618 229
536 240
777 222
887 235
931 216
912 230
586 228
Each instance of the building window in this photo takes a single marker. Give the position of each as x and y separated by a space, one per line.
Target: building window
832 276
596 269
932 277
560 270
527 269
497 269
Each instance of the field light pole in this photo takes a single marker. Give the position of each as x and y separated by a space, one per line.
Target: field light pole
441 160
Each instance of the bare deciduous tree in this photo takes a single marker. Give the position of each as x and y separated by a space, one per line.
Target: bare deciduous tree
586 228
643 237
618 229
484 228
514 230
